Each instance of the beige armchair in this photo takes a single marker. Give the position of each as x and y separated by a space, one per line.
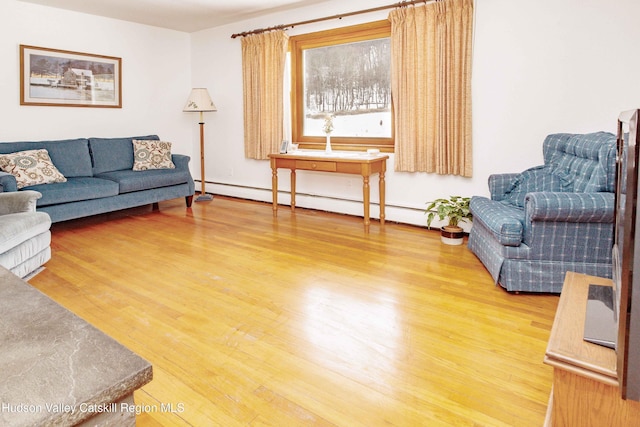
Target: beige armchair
25 236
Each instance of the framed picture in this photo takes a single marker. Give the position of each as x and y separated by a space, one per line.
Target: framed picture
283 146
69 79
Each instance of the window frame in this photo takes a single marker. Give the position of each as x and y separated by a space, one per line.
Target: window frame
297 44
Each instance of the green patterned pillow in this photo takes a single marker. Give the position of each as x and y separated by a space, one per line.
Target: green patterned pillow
31 167
151 154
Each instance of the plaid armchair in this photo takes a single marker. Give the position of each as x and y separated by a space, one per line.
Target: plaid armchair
549 219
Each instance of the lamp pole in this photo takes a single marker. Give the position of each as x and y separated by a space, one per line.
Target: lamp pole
203 195
200 101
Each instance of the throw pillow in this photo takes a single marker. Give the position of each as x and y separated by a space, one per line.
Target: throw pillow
151 154
31 167
539 178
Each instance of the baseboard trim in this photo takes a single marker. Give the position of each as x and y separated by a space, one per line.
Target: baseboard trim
393 212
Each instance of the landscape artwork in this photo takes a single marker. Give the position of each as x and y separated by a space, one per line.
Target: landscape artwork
72 79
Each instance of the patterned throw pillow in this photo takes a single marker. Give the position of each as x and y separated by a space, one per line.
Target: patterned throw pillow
151 154
31 167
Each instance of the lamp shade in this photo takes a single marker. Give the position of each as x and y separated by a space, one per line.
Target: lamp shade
199 100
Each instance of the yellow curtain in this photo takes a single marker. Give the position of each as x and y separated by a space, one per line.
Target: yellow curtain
263 62
431 85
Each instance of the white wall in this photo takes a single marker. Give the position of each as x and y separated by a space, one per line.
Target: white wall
156 70
539 67
549 66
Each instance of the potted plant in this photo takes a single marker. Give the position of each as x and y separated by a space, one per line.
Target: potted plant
456 209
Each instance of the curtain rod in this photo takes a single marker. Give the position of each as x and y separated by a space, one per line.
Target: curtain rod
327 18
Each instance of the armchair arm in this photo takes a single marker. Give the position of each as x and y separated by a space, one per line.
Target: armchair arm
569 227
569 207
8 182
500 183
18 201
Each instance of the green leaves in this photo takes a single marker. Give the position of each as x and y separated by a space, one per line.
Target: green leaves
455 208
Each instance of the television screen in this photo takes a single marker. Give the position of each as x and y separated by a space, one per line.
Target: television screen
603 304
627 257
622 178
600 325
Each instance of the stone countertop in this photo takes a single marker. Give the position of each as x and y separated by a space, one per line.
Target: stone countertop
55 368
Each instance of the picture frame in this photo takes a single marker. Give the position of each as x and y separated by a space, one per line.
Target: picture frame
62 78
284 145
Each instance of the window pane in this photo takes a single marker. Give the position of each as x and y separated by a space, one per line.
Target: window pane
352 82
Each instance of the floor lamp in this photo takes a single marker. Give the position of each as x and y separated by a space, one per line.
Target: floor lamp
200 101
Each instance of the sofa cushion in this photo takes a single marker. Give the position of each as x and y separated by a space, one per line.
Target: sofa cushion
502 219
539 178
71 156
113 154
75 189
149 154
31 167
130 180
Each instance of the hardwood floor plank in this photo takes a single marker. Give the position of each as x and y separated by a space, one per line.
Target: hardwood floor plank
303 319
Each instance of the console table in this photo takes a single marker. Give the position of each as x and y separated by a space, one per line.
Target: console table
349 162
585 381
56 369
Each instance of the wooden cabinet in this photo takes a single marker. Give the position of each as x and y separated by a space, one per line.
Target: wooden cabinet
585 382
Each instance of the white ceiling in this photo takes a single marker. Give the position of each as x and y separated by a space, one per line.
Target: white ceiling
181 15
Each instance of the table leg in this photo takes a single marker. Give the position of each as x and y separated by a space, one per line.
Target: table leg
366 193
382 196
293 190
274 187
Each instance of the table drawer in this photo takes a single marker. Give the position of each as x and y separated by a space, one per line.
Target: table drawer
315 165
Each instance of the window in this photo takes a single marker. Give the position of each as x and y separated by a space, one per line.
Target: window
345 73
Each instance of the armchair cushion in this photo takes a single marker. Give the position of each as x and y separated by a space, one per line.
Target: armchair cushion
589 159
503 220
540 178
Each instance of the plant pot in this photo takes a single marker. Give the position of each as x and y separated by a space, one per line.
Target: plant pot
451 235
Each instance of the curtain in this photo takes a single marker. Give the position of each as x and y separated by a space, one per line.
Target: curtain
431 86
263 62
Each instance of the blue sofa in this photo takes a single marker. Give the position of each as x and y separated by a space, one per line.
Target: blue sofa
99 177
550 219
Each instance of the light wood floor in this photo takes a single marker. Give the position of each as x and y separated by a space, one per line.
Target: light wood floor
304 319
